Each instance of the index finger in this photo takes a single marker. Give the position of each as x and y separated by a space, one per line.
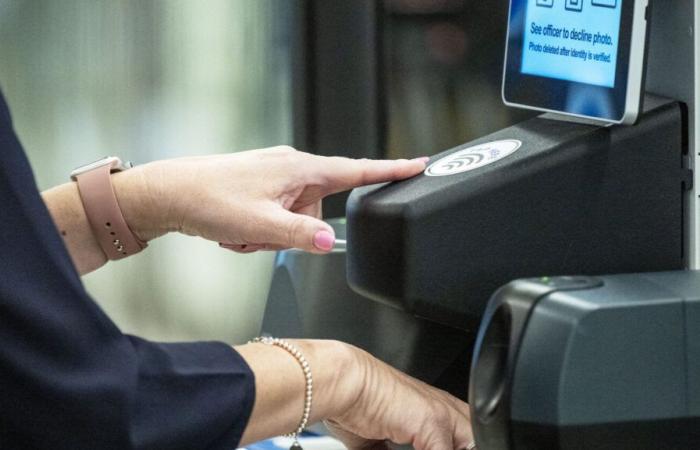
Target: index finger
342 174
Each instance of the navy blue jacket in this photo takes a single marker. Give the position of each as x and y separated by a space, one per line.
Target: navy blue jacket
69 379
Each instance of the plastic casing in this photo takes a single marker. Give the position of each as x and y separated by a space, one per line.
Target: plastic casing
602 363
573 199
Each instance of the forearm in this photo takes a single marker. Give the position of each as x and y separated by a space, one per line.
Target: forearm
280 385
135 200
63 202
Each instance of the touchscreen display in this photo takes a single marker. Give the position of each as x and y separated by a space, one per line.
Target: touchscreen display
572 40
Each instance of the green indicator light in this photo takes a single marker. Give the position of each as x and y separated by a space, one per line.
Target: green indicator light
545 279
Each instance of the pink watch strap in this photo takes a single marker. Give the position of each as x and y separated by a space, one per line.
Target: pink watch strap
105 215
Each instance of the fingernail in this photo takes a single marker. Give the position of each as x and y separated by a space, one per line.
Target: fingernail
423 159
323 240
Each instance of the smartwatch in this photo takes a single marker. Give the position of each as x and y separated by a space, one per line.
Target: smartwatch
102 208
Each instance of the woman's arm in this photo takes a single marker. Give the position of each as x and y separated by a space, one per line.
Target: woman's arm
280 385
136 202
271 199
265 199
67 213
364 401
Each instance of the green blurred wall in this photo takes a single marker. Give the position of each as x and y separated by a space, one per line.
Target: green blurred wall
149 80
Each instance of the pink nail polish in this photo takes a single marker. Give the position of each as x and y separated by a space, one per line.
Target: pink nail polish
323 240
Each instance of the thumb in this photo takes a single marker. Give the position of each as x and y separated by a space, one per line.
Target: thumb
303 232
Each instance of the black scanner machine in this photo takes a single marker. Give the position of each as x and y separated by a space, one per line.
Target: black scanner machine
608 363
560 363
596 344
573 199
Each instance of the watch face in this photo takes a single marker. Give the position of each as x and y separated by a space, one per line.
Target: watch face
115 163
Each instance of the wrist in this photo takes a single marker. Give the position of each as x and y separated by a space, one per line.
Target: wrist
141 202
348 367
280 385
337 374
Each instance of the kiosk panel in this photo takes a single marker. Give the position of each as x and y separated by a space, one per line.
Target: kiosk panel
582 58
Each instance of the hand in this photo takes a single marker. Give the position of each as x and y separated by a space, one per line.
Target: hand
362 400
261 199
395 407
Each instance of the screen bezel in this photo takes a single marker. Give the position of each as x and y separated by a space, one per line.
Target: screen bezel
552 94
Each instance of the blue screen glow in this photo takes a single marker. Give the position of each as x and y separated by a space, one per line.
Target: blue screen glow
572 40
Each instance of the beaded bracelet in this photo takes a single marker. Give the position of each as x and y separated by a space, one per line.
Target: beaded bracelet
296 353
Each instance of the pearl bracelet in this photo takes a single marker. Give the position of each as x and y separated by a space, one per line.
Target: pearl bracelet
296 353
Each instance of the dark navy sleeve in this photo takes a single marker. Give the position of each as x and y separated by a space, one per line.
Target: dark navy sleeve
69 379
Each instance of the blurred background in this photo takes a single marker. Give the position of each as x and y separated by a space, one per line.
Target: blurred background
443 69
149 80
